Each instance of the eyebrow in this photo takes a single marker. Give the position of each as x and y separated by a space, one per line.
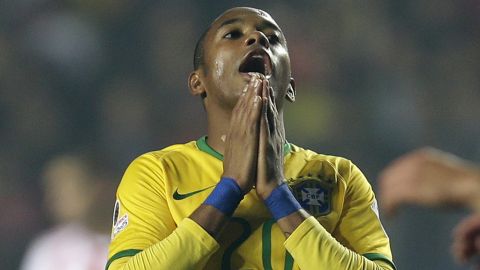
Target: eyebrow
231 21
268 24
263 25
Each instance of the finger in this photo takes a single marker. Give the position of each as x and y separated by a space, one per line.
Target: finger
387 198
257 84
270 112
258 101
253 103
387 205
247 96
263 139
256 77
265 120
241 101
396 186
272 97
464 250
466 237
468 227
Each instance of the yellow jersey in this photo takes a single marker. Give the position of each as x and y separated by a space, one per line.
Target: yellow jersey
160 189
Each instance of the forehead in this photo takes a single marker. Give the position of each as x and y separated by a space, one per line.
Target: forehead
244 15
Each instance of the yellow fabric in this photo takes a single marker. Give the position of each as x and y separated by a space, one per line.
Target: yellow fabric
161 189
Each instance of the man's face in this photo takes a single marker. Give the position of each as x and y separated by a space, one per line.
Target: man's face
244 40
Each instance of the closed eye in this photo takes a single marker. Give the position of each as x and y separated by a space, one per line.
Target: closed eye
233 34
273 39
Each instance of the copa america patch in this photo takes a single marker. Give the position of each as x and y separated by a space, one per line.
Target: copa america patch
119 224
374 207
116 211
314 195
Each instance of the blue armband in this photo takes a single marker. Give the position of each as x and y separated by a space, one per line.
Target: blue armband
226 196
281 202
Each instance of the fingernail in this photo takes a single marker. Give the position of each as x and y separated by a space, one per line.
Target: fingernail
257 82
245 89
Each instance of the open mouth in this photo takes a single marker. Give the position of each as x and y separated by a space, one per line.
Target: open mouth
257 61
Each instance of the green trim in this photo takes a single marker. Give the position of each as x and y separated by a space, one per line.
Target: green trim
379 257
203 146
227 255
267 244
288 261
287 148
121 254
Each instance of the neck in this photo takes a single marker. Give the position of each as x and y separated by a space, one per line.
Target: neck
218 125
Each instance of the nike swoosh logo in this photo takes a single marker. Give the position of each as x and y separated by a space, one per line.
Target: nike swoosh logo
177 196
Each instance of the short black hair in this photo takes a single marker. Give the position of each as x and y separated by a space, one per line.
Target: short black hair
198 55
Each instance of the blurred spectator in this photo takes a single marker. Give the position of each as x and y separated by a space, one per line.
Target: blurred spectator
78 240
430 177
433 178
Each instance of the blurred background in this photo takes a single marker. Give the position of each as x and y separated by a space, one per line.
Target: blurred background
106 80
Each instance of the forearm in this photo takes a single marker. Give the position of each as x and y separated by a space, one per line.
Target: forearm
210 219
194 236
312 246
189 238
291 222
305 235
472 177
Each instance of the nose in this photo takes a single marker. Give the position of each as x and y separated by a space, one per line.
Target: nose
257 37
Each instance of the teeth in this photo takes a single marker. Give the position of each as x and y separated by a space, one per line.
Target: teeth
258 74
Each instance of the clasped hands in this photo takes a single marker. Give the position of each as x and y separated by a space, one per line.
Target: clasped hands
255 139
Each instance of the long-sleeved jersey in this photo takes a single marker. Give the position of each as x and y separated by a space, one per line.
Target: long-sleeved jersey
160 189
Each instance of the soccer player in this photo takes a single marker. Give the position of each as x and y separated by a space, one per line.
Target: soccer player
243 197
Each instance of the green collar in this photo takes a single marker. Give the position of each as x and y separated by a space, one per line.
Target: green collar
203 146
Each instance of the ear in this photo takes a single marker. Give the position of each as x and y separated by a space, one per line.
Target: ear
196 85
291 92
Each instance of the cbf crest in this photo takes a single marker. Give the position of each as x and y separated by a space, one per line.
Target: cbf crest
314 195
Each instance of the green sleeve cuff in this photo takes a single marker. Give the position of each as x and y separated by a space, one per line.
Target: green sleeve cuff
379 257
121 254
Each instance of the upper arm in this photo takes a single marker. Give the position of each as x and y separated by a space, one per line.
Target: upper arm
360 227
142 218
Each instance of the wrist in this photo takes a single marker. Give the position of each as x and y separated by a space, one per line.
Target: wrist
226 196
281 202
266 190
242 183
473 198
266 185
